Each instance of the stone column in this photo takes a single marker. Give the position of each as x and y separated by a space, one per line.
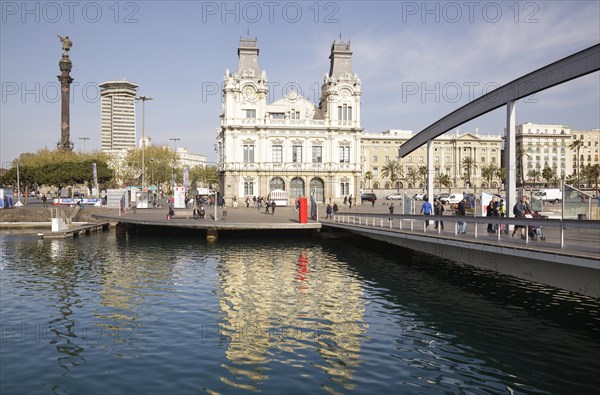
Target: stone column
65 79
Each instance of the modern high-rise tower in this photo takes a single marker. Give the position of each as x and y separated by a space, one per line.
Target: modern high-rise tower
118 115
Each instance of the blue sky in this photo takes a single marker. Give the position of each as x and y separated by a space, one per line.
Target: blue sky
417 61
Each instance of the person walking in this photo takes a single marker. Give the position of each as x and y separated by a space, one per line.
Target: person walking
426 210
350 201
247 202
273 205
345 200
335 210
44 201
461 212
329 212
438 209
391 208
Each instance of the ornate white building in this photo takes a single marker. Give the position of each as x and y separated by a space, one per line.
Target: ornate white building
290 144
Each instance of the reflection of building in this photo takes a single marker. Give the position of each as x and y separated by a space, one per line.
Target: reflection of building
450 151
282 303
290 144
117 115
542 146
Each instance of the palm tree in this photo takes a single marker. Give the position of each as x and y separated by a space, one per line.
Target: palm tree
443 180
488 172
501 174
392 170
576 145
468 164
423 173
548 174
591 175
412 176
534 175
369 177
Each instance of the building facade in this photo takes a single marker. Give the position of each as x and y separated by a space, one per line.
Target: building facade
117 130
290 144
588 149
449 154
539 146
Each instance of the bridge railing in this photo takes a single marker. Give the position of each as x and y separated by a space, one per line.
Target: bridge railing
407 222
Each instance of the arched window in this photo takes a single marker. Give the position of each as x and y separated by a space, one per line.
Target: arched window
375 185
296 187
317 186
277 183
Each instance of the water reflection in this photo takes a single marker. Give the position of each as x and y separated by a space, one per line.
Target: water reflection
283 305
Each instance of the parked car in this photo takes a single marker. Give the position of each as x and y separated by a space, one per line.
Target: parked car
454 198
368 197
394 196
418 196
442 196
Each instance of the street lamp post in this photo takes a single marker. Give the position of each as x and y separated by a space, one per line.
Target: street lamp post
175 140
144 99
84 140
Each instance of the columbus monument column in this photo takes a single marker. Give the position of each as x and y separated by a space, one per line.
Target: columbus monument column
65 88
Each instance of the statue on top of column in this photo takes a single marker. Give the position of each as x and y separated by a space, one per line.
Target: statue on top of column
66 44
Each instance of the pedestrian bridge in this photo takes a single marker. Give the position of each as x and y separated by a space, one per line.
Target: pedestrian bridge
568 258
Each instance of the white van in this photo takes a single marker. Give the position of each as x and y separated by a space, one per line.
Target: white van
549 195
454 198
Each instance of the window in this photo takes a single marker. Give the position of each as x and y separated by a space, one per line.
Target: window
375 158
277 115
482 159
345 188
376 171
248 153
345 113
277 153
387 158
317 154
297 153
248 188
345 154
493 159
294 114
249 113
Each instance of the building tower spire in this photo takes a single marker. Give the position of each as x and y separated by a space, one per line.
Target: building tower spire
341 59
248 57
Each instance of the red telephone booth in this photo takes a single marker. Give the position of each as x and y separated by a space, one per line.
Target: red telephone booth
303 219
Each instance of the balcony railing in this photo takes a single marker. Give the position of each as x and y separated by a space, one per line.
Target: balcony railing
287 122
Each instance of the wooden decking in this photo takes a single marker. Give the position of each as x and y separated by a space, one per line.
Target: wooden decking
75 231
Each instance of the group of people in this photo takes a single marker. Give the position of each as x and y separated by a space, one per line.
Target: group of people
331 211
348 200
495 208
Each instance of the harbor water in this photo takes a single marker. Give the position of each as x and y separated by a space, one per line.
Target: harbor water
151 314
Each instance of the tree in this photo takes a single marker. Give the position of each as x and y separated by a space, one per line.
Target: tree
576 145
534 175
501 174
469 165
443 180
548 174
488 172
591 174
369 177
161 164
423 174
392 170
58 168
412 176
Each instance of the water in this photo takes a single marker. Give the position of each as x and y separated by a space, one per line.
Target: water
157 315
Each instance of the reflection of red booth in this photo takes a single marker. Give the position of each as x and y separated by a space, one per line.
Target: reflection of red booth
303 219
